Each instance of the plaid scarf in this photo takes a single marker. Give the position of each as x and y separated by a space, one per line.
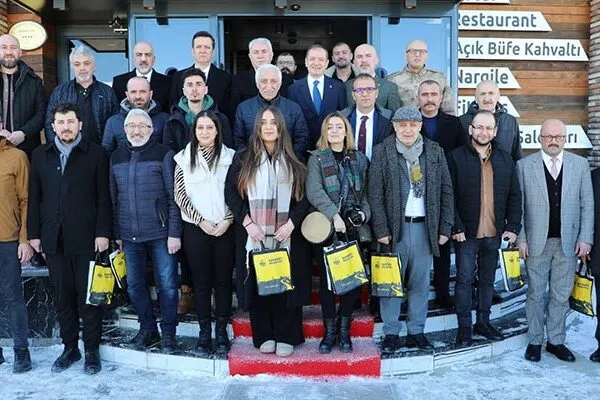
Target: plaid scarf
332 174
412 154
269 200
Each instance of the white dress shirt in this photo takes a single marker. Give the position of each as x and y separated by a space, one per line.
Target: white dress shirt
369 126
205 70
148 76
415 207
548 161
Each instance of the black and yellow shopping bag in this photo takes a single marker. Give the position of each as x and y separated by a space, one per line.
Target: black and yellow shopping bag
273 270
386 274
581 296
101 281
344 266
510 266
119 267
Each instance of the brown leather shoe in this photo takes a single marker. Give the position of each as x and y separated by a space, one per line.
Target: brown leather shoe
186 300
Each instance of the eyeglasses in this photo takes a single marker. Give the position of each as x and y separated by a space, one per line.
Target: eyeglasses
416 52
483 128
141 127
286 63
367 90
550 138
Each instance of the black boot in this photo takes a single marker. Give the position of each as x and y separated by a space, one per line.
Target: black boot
145 338
464 336
168 343
92 363
204 345
223 344
328 341
22 361
1 356
69 356
345 343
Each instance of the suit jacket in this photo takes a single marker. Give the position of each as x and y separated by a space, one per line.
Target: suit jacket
219 88
76 202
333 99
388 96
576 206
382 124
159 83
450 132
389 185
596 249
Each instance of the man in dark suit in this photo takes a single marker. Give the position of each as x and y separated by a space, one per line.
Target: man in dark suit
243 87
448 132
317 95
595 262
366 60
144 59
69 219
370 122
217 80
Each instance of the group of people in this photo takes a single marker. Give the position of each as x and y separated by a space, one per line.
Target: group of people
200 169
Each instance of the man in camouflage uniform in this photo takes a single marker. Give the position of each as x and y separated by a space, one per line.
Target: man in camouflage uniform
415 72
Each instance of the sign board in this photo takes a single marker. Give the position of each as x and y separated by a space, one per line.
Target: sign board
576 137
520 49
485 2
30 34
485 20
469 77
464 101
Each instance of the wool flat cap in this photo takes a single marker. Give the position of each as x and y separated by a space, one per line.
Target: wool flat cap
407 113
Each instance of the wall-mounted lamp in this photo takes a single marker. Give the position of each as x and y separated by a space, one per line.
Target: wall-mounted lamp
59 5
410 3
149 4
281 4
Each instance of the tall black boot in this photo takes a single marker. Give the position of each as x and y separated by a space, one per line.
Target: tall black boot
223 344
345 343
328 341
1 356
204 345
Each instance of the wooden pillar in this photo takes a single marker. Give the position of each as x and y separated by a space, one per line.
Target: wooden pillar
594 83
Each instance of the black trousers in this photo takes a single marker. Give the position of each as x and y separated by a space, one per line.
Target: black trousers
211 261
597 286
275 322
347 300
69 277
441 272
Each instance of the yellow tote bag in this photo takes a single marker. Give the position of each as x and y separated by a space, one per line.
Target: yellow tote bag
581 296
344 265
119 267
101 281
510 266
273 271
386 274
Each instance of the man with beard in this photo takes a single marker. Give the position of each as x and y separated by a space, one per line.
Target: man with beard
488 208
558 227
286 63
69 219
95 100
139 96
23 98
144 59
342 68
487 96
415 72
141 189
366 60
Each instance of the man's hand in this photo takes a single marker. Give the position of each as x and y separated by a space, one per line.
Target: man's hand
221 227
24 252
459 237
338 224
510 235
523 250
173 244
284 231
100 244
582 249
442 240
36 244
17 137
384 240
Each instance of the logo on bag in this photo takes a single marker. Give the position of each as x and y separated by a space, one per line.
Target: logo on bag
262 263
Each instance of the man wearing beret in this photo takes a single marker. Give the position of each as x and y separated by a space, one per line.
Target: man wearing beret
412 221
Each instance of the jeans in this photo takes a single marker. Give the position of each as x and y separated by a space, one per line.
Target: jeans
165 275
11 292
482 253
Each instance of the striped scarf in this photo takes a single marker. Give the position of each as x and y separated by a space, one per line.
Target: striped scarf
332 173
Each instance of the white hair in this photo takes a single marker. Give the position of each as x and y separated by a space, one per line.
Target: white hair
264 68
82 50
261 40
137 112
146 43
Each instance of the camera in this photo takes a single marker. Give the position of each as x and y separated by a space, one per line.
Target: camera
354 216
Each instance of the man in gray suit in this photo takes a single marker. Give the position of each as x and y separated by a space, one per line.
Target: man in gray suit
558 227
366 60
409 219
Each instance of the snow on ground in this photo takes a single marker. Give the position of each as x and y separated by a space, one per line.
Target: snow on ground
504 378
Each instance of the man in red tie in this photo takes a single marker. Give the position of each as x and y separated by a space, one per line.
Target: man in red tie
371 123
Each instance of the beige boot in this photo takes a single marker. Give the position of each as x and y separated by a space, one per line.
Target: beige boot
186 300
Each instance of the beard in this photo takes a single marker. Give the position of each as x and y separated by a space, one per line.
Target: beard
481 143
143 69
342 63
9 63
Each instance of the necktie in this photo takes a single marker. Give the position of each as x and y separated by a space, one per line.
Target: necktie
362 134
316 96
554 168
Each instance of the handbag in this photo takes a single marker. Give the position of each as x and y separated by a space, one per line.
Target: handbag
581 296
273 270
510 266
101 281
119 267
316 227
386 274
344 266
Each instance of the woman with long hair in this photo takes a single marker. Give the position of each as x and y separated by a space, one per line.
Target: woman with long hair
336 187
265 191
208 240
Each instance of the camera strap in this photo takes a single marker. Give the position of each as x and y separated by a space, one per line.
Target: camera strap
345 183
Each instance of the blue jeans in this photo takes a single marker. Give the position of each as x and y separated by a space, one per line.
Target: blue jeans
165 275
12 292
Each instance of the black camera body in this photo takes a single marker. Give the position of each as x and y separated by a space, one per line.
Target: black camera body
354 216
